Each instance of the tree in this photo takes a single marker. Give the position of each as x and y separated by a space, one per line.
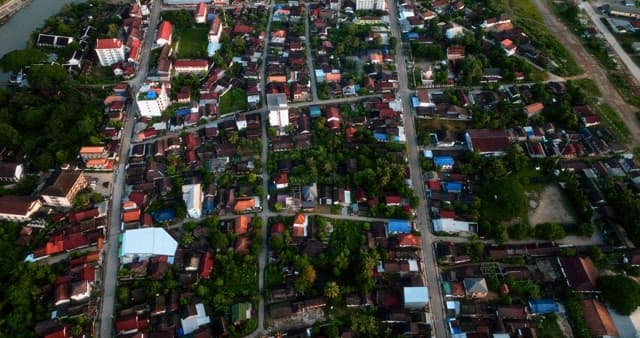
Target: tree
15 60
332 290
219 240
306 279
276 243
620 292
503 200
550 231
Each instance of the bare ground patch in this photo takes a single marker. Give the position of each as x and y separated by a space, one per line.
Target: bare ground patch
549 206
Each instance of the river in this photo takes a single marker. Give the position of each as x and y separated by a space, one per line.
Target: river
15 32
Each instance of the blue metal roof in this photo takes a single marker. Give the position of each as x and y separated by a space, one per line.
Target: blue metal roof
543 306
381 137
443 161
165 215
315 111
452 186
399 226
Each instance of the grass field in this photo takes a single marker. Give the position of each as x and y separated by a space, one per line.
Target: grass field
232 101
547 327
612 120
193 43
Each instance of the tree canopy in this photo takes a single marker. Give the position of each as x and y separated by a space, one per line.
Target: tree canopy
620 292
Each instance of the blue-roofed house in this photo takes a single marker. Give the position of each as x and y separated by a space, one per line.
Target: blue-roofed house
381 137
161 216
443 162
398 226
543 306
452 187
314 111
208 206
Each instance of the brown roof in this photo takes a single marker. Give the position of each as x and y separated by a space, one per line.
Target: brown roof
242 224
580 272
488 140
598 319
16 205
409 240
62 182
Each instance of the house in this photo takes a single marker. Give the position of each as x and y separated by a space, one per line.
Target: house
164 33
475 287
55 41
300 226
487 142
580 273
398 226
80 291
598 319
409 241
130 212
281 180
278 109
533 109
62 188
455 53
443 162
543 306
109 51
206 265
200 15
240 312
454 226
130 324
392 200
333 117
242 224
188 66
152 100
215 31
18 208
508 47
247 204
11 171
142 244
192 196
415 297
197 316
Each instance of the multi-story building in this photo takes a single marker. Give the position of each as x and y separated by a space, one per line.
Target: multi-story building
370 4
165 31
152 100
200 15
109 51
18 208
62 188
91 152
278 110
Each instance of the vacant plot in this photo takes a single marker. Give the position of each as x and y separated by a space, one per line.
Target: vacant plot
192 43
549 206
232 101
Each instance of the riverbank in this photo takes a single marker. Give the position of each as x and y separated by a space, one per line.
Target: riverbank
11 7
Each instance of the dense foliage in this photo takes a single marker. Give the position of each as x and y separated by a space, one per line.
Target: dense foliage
51 120
620 292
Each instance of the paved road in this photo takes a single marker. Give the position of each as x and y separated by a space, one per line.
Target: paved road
424 222
312 73
111 261
610 94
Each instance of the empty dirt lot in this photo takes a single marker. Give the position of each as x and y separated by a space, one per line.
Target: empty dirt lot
549 207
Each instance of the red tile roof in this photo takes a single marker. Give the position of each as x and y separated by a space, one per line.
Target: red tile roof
242 29
206 265
392 199
242 224
409 240
83 215
281 178
201 10
598 320
488 140
164 31
580 272
447 214
191 63
108 43
277 228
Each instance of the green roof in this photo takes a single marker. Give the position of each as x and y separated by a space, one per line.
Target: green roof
240 312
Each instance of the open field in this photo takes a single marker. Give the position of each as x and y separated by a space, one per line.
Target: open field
232 101
192 43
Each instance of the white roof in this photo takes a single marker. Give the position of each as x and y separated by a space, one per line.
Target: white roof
148 241
450 225
416 294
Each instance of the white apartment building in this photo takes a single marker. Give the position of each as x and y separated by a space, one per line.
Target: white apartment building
109 51
278 110
152 100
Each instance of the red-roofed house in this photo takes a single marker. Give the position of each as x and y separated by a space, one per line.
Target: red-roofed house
130 212
392 200
277 228
215 30
300 226
448 214
206 265
533 109
83 215
59 333
191 66
409 241
109 51
241 29
130 324
165 31
281 180
200 15
242 225
488 142
508 46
